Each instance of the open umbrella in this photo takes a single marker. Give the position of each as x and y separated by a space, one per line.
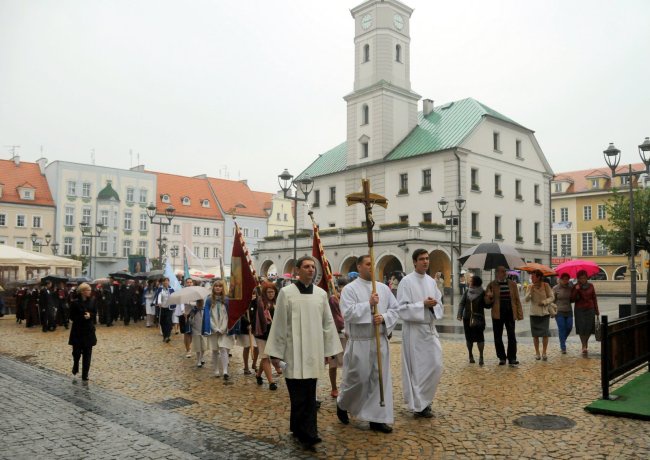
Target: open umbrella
121 275
54 279
532 266
487 256
188 294
572 267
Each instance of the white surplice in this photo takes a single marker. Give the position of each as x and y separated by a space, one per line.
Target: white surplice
421 350
303 332
359 390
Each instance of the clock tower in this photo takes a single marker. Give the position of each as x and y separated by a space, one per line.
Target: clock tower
382 109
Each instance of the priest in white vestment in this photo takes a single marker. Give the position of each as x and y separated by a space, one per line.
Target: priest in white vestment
420 304
302 334
359 390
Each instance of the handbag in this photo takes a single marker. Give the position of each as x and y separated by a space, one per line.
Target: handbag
598 329
552 309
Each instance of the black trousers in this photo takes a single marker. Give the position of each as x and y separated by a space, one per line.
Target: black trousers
87 353
166 322
507 319
302 393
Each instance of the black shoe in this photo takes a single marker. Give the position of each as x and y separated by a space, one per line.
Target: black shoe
382 427
426 413
480 361
471 360
75 369
273 386
513 363
342 415
226 376
259 380
502 362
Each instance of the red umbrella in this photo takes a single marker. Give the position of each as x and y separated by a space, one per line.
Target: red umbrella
572 267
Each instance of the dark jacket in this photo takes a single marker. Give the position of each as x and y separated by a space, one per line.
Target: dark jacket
82 332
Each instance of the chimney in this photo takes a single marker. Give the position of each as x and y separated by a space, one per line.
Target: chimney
138 168
427 106
42 163
16 159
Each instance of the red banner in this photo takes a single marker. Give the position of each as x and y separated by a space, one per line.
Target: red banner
242 279
324 276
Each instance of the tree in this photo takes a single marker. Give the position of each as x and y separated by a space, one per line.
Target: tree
617 234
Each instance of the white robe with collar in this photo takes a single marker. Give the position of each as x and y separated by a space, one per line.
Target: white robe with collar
303 332
421 349
359 390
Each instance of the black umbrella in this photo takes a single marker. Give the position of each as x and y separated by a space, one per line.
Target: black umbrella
79 280
487 256
54 279
121 275
152 275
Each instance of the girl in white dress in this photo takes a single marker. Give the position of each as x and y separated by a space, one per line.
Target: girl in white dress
217 330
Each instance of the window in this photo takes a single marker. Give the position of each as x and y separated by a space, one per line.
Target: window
366 53
404 218
398 53
558 187
625 180
536 194
85 190
587 244
165 198
36 221
196 231
86 215
586 212
215 253
103 217
316 202
72 188
594 183
364 149
177 229
426 217
143 195
67 246
206 253
205 203
518 148
85 246
196 252
164 228
475 231
602 214
365 114
20 220
128 215
215 232
185 201
497 185
126 248
474 179
256 233
426 180
497 228
403 183
142 248
129 195
564 214
332 195
26 195
552 216
69 216
566 245
496 141
3 220
144 222
518 234
331 225
244 231
601 249
538 239
554 245
103 244
285 217
206 231
518 195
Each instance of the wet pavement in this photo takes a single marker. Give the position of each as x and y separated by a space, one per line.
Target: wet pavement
146 400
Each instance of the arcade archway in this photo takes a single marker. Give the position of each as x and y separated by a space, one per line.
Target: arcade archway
439 262
348 265
386 265
289 267
268 268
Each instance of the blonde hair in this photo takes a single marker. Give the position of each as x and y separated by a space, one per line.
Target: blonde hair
213 296
84 287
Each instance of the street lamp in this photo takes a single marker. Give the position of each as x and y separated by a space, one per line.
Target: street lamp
174 253
443 207
612 158
305 185
170 211
37 244
87 232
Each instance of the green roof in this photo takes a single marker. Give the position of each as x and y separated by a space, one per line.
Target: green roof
444 128
108 193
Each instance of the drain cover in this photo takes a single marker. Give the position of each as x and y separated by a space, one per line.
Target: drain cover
175 403
544 422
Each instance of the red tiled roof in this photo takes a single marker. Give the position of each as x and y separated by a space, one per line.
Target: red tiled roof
26 174
580 180
233 194
196 189
265 199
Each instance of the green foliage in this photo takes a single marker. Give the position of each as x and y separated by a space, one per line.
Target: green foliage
617 234
391 225
84 260
273 237
432 225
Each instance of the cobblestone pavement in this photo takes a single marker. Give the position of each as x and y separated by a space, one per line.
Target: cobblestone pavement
133 372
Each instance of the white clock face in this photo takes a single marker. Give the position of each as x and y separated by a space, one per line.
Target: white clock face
398 21
366 22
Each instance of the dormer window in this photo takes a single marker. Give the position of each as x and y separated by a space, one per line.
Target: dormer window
26 193
185 201
594 183
558 187
205 203
165 198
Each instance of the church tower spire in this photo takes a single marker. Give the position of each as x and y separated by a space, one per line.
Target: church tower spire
382 109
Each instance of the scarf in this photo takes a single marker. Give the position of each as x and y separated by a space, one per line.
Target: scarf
206 327
474 292
263 316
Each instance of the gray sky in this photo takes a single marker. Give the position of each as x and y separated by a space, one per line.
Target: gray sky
252 87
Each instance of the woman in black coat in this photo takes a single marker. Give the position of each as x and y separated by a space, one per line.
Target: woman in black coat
82 333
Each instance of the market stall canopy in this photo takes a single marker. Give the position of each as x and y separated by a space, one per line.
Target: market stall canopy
10 255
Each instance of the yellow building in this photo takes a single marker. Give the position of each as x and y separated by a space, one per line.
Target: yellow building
577 207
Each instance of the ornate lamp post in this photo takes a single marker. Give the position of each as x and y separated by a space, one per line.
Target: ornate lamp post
443 207
87 232
174 253
305 186
612 158
170 211
37 244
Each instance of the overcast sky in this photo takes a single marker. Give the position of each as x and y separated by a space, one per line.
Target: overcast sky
247 88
